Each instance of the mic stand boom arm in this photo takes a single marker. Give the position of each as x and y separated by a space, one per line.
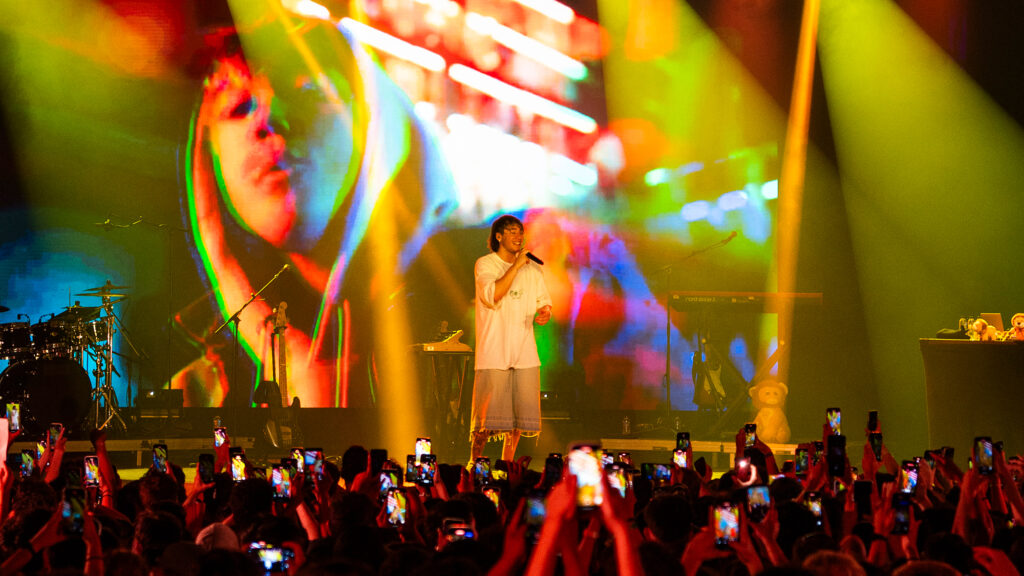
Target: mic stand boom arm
235 319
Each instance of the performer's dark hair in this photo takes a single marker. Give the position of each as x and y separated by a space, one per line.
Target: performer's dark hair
499 226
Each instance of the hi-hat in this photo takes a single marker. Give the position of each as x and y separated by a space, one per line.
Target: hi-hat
114 297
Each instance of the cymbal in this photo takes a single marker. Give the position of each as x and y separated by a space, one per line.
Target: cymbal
80 312
108 287
115 297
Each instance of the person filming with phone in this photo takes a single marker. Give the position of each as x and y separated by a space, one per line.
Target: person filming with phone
511 297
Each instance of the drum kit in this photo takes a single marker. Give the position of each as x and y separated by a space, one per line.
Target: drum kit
47 371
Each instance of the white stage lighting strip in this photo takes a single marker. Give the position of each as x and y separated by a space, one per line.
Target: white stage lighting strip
555 10
395 46
522 99
532 49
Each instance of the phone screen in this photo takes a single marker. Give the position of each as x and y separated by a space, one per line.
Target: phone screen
535 514
91 468
482 471
607 458
493 493
73 510
281 482
801 464
679 458
274 559
759 502
314 458
901 513
397 503
40 449
428 470
238 467
726 522
28 463
160 457
206 468
875 439
682 440
55 429
422 447
299 454
750 434
617 478
813 503
388 479
586 467
13 416
835 419
983 454
220 436
626 459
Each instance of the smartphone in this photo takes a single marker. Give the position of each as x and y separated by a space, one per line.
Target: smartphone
206 468
901 513
813 503
274 559
725 518
238 466
835 456
281 482
314 458
553 468
607 458
535 512
835 418
91 470
493 493
299 455
40 449
743 469
584 464
160 458
873 421
13 416
875 439
759 502
422 447
378 456
626 459
801 464
929 458
28 463
55 429
750 434
427 470
862 498
655 472
397 506
411 469
387 480
819 451
682 440
908 477
679 458
983 451
617 478
73 510
457 529
482 471
220 436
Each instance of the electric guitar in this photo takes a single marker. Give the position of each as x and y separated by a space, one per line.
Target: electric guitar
282 426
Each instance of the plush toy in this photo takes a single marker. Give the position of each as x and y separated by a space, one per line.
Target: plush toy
769 398
983 331
1017 326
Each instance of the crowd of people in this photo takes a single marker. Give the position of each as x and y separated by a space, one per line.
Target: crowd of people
518 519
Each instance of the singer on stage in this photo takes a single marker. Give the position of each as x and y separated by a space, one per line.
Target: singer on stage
510 297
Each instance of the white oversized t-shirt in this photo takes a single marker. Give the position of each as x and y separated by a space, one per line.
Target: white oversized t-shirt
504 331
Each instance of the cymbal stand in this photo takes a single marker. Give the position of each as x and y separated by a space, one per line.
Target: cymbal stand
107 412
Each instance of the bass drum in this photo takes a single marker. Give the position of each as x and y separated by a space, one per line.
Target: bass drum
49 390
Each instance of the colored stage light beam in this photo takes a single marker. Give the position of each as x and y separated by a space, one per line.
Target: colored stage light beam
555 10
522 99
307 8
395 46
532 49
793 170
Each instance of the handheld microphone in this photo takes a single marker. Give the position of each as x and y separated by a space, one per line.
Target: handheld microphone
534 258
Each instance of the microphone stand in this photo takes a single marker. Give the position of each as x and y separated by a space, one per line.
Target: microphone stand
235 319
667 269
